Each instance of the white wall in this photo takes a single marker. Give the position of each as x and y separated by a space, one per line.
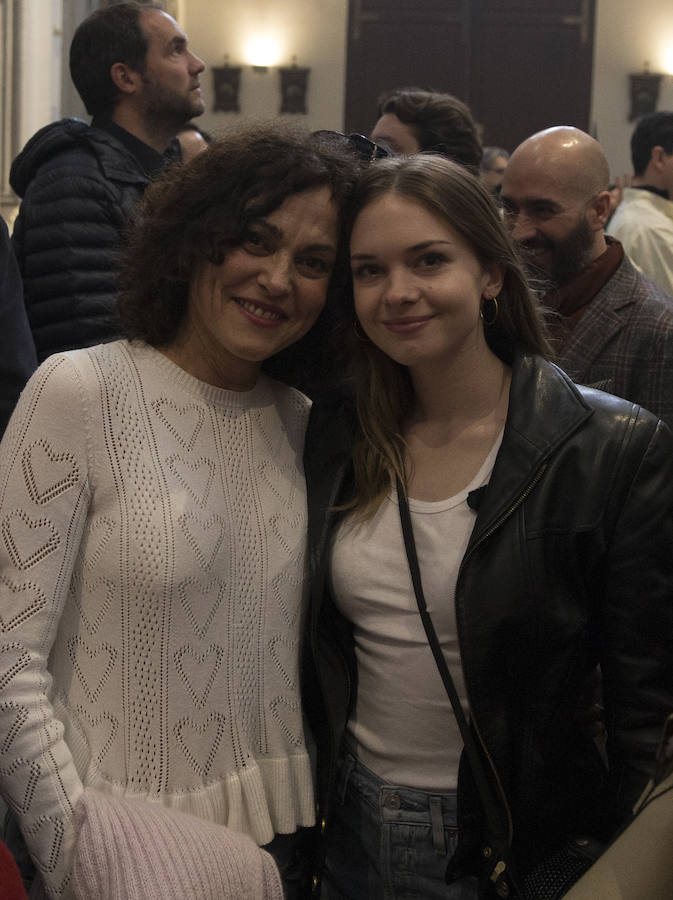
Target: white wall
628 34
312 30
40 62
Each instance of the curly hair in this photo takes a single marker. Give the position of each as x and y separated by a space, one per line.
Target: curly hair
440 122
195 212
384 392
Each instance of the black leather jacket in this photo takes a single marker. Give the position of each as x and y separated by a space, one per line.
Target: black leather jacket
570 564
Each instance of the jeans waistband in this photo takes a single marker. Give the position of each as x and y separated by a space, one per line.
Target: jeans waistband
396 803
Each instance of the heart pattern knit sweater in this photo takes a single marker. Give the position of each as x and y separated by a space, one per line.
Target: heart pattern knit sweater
152 540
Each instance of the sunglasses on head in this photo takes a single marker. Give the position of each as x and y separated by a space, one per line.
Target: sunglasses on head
361 145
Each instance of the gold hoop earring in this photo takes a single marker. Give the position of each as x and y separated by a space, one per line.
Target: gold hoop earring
491 321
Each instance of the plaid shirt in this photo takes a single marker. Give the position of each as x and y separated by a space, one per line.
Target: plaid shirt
623 343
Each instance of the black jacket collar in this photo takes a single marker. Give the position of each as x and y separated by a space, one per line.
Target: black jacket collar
149 160
545 408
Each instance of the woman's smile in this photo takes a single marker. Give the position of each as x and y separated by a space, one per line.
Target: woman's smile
261 314
418 286
407 324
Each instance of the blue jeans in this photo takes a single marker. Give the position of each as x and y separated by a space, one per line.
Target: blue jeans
390 843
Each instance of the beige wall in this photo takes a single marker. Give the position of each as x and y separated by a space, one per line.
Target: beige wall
40 82
312 30
628 34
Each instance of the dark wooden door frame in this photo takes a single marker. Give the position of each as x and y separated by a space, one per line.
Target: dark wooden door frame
520 65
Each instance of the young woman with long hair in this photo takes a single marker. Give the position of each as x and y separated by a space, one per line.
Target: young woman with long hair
541 518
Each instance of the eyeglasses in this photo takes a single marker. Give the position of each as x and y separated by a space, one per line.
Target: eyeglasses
363 146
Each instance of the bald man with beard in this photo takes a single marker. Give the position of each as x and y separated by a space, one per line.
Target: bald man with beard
612 328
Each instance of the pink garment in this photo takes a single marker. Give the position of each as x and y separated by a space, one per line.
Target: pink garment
136 850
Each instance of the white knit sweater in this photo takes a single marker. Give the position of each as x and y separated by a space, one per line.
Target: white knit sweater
152 539
129 850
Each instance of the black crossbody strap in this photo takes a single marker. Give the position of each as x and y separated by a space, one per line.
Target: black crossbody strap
485 793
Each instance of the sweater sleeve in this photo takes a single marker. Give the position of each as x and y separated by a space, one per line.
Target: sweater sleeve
44 495
130 850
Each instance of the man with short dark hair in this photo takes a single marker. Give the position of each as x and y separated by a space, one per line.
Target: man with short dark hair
132 66
643 221
412 120
612 327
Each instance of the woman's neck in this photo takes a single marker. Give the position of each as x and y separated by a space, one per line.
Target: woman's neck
457 417
458 392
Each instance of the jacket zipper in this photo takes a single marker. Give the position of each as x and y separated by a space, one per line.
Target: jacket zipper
512 509
487 534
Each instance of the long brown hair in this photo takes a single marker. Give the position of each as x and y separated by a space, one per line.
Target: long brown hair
384 393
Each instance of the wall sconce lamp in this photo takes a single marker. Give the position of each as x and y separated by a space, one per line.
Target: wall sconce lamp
293 87
644 92
227 81
261 52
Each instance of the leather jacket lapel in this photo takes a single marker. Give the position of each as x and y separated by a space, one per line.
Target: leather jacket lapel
531 435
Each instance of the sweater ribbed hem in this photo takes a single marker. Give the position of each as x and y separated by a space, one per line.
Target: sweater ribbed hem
268 797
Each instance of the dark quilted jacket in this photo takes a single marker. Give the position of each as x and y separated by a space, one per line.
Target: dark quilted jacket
79 185
17 352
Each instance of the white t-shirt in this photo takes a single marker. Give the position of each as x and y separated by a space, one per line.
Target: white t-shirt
403 727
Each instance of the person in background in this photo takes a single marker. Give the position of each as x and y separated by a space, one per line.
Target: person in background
643 221
492 169
412 120
138 78
17 350
193 140
611 327
541 514
153 520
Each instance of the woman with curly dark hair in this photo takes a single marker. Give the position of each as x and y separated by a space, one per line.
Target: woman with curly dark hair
154 516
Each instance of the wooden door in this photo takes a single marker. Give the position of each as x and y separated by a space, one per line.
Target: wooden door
393 43
532 66
521 65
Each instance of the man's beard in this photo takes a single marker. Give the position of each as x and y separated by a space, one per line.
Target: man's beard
167 109
569 256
